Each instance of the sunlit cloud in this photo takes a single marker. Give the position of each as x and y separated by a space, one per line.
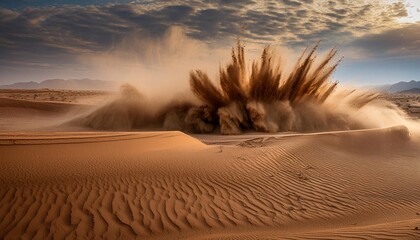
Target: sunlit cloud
413 12
60 34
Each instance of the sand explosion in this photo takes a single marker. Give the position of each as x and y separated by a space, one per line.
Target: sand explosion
261 98
262 101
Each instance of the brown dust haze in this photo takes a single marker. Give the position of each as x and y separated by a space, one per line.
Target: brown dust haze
262 97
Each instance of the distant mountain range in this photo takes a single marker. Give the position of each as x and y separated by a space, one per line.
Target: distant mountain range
406 87
413 90
70 84
89 84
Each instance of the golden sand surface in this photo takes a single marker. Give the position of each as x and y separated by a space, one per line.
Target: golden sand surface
64 182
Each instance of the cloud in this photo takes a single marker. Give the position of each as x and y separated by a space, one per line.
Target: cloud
398 9
292 3
61 34
395 43
7 15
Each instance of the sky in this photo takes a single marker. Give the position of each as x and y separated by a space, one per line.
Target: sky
158 42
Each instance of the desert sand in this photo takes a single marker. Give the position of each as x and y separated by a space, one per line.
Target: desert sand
59 181
410 103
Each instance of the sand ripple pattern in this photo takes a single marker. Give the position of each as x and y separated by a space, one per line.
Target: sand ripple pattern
144 185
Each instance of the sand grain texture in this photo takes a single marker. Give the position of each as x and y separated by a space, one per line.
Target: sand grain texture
127 185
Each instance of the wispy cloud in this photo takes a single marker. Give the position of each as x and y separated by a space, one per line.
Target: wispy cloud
59 34
401 42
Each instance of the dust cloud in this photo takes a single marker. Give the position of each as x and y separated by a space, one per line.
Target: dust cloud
263 97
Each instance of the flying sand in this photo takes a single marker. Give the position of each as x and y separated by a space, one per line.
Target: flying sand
313 162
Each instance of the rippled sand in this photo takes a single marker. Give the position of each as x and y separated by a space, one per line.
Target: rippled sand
169 185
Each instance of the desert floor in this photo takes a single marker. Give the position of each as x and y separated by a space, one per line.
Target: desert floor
410 103
62 182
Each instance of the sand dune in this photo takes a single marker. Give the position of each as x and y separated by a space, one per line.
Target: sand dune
349 184
29 115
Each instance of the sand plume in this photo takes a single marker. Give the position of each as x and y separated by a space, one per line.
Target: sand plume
127 111
205 90
269 101
265 79
260 98
307 80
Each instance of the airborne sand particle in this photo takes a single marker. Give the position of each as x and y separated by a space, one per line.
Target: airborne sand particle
264 100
